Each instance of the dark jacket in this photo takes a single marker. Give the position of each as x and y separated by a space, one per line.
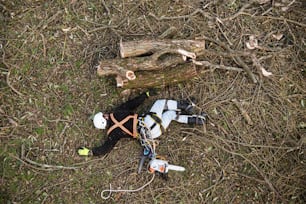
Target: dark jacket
121 112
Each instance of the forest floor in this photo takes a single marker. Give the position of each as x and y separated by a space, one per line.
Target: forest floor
251 151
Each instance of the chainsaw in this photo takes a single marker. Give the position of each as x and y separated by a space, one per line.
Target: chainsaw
162 166
157 165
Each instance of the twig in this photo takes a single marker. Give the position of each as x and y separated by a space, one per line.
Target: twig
249 177
83 30
276 18
223 33
101 28
63 131
205 14
237 58
45 167
217 66
221 178
241 11
267 11
44 45
52 18
9 84
27 164
246 68
223 54
290 31
8 76
64 48
243 112
289 149
260 68
288 20
50 167
106 8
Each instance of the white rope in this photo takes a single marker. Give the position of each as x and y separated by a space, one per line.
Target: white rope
123 190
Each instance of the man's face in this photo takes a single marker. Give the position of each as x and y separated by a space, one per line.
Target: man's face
106 116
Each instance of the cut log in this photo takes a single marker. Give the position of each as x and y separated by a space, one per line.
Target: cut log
159 60
162 78
148 47
173 75
114 69
124 69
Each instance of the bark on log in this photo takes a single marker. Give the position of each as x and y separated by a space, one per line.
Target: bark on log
147 47
127 66
162 78
174 75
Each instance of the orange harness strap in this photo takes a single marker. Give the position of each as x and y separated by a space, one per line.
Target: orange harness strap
120 124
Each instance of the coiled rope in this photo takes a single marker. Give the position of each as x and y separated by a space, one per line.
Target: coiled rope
110 190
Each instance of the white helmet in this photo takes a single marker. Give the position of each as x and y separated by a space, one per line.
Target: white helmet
99 121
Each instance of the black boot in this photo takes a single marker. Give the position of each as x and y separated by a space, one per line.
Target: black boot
197 119
185 106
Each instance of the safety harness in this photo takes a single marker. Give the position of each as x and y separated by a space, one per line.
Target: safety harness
134 133
157 121
120 125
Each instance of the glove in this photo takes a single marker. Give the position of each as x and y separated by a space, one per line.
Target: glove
83 151
148 94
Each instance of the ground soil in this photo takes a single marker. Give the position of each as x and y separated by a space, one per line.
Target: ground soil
251 151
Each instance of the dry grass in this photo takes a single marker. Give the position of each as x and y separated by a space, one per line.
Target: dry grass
49 91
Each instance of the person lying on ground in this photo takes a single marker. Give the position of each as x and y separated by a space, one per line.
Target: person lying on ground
123 122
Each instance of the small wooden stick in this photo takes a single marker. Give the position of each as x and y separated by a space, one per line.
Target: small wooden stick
216 66
260 68
243 111
47 167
